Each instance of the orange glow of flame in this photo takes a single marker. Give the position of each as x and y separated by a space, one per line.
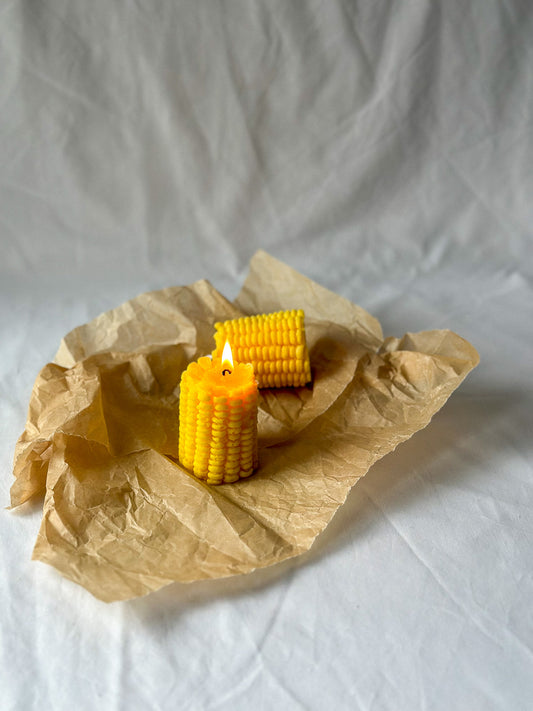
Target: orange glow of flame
227 357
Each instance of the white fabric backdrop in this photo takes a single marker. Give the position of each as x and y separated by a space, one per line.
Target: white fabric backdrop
385 150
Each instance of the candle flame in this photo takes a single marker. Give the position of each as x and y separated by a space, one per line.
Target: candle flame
227 357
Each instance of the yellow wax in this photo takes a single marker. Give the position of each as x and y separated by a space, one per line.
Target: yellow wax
218 420
274 344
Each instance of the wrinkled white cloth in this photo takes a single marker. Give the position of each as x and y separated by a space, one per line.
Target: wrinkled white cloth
384 150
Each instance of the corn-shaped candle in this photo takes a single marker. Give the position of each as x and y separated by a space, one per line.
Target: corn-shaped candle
273 343
218 420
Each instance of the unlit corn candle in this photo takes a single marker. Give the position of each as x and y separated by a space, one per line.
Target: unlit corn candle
218 419
273 343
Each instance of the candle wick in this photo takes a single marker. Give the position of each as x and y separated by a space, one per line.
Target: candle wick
226 371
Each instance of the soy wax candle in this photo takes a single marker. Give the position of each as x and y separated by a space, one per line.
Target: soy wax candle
218 419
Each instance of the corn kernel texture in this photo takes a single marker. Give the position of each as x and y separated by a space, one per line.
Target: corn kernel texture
218 421
273 343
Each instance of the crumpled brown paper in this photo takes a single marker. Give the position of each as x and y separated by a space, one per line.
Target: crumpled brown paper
122 518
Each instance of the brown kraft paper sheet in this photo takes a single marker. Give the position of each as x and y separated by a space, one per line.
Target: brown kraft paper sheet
122 518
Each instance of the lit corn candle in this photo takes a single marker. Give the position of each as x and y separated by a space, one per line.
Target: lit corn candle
273 343
218 419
